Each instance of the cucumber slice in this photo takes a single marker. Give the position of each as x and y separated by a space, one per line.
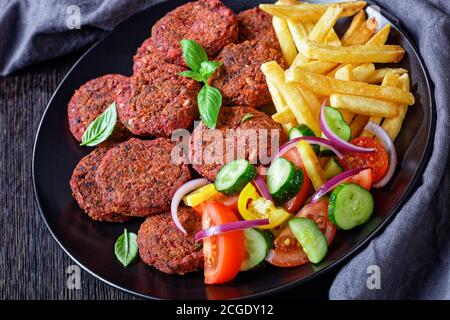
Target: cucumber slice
338 125
310 237
284 180
332 168
234 176
303 131
257 244
350 206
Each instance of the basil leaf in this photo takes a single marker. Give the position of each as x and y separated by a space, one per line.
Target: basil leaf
101 128
207 69
246 117
126 248
209 100
192 74
193 54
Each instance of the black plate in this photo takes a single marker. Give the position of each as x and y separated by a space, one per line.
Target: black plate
90 244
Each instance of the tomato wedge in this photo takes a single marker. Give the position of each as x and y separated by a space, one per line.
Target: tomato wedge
287 251
378 161
229 201
223 253
364 179
294 204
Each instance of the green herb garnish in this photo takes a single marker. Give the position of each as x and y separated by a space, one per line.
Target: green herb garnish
126 248
209 99
101 128
246 117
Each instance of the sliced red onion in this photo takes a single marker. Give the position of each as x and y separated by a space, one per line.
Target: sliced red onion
231 226
260 184
312 140
334 182
178 196
388 145
337 141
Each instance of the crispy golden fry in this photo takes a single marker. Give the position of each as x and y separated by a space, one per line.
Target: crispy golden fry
284 116
310 11
393 125
391 80
298 31
280 104
287 44
357 20
319 67
381 36
325 86
362 34
311 164
326 22
352 54
358 123
363 105
311 100
291 95
363 72
309 25
379 74
333 39
345 73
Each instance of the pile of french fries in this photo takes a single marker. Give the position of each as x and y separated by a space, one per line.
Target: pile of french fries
322 65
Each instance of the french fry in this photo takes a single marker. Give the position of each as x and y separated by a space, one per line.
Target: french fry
326 86
319 67
309 25
357 20
345 73
287 45
311 164
279 104
291 95
352 54
363 71
381 36
391 80
379 74
363 105
333 39
284 116
311 100
357 125
393 125
326 22
310 11
298 31
362 34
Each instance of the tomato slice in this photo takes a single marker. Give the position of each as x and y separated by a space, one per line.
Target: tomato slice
364 179
223 253
294 204
287 251
229 201
377 161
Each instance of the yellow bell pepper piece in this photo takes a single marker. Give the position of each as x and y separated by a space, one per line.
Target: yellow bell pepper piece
201 194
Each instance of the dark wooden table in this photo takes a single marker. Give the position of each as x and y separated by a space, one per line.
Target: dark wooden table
32 265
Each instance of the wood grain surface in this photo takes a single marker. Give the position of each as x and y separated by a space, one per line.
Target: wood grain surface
32 265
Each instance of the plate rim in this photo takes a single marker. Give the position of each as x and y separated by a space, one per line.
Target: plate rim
353 251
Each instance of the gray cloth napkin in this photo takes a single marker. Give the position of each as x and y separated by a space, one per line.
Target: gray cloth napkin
413 252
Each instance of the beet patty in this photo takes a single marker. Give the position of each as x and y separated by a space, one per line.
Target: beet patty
240 79
139 177
90 100
158 101
146 56
86 191
208 22
255 24
205 143
163 246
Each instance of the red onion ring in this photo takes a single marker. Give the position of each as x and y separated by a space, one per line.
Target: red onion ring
178 196
335 139
312 140
260 184
388 145
231 226
333 183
